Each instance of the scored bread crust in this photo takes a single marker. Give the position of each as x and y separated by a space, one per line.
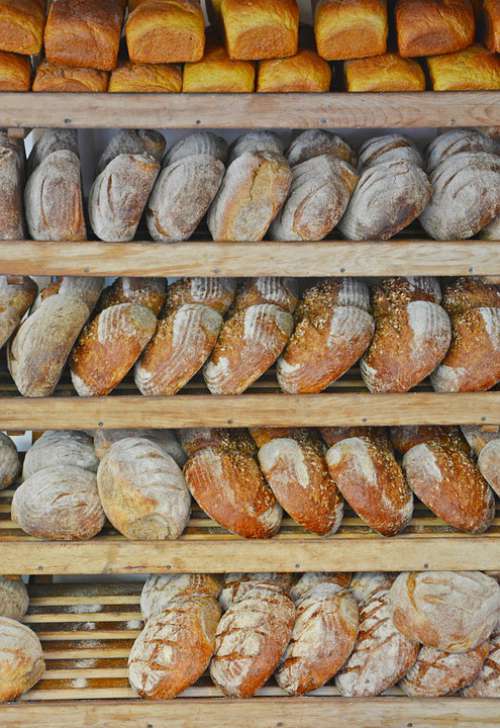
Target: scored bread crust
217 293
487 683
437 673
315 142
60 447
149 292
9 461
17 293
236 585
21 659
158 591
457 141
104 439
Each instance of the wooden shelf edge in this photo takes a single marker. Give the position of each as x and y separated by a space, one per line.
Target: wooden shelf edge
400 553
325 258
250 410
287 712
223 111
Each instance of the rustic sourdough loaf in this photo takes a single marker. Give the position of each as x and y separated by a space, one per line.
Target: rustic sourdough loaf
256 141
437 673
282 292
487 682
158 591
166 439
14 599
457 141
193 439
388 148
364 584
21 659
132 141
217 293
85 288
17 293
237 585
11 192
405 437
60 447
315 142
9 461
148 292
200 142
476 437
47 141
489 464
312 579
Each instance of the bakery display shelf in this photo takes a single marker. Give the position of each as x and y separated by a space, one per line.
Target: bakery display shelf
86 634
414 256
250 111
427 543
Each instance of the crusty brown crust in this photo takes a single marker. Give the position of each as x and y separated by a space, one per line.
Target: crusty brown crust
145 78
352 29
433 27
437 673
306 72
474 69
260 29
405 437
282 292
21 26
194 439
54 78
149 292
491 16
15 72
385 73
217 73
463 294
17 293
217 293
21 662
158 591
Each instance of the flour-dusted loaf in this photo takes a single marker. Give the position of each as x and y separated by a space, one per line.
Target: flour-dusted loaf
388 197
237 585
17 293
457 141
388 148
487 682
174 648
323 637
251 639
85 288
309 581
296 471
143 491
412 336
9 461
350 29
119 195
200 142
462 294
489 464
217 293
11 192
381 656
321 189
109 347
226 481
451 611
281 292
333 435
104 439
432 27
372 482
449 483
333 330
477 438
132 141
14 598
158 591
61 503
39 350
437 673
364 584
193 439
149 292
260 29
256 141
254 188
60 447
51 140
21 659
316 142
465 197
405 437
491 231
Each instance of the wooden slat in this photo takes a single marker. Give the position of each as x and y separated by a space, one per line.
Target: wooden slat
273 410
264 111
326 258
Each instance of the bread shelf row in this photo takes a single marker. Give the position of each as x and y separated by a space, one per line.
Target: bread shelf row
414 256
250 111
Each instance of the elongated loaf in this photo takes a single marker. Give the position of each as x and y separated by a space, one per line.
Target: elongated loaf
437 673
451 611
217 73
53 78
60 447
408 436
256 141
52 140
237 585
21 659
200 142
386 73
174 648
145 78
143 491
474 69
17 293
148 292
60 503
489 464
85 288
431 27
364 584
39 350
132 141
15 72
259 29
350 29
21 26
370 479
216 293
251 638
11 199
315 142
477 438
381 656
109 347
104 439
388 148
158 591
304 72
309 581
456 141
9 462
281 292
14 599
226 481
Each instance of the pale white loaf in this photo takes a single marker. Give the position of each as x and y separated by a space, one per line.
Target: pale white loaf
456 141
365 584
52 140
85 288
388 148
309 581
201 142
256 141
21 659
9 461
14 599
437 673
158 591
487 683
60 447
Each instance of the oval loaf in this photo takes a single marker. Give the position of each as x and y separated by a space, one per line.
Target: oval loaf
309 581
237 585
11 197
9 461
364 584
166 439
148 292
17 293
315 142
201 142
60 447
21 659
388 148
158 591
489 464
132 141
217 293
438 673
14 599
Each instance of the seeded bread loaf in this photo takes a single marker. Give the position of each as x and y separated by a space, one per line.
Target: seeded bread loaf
148 292
216 293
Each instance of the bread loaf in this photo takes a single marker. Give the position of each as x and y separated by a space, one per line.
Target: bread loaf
259 29
182 195
132 141
462 294
365 584
387 199
456 141
119 195
476 437
263 435
256 141
217 293
320 192
474 69
333 435
21 26
226 481
158 591
47 141
84 33
351 29
437 673
109 347
315 142
104 439
53 78
15 72
174 648
17 293
408 436
281 292
21 659
217 73
166 31
381 656
491 231
200 142
431 27
304 72
148 292
236 586
487 683
84 288
251 638
9 462
465 198
368 476
329 336
451 611
388 148
296 471
252 193
393 292
145 78
491 17
53 199
11 188
449 483
308 583
60 447
386 73
14 599
489 464
143 491
38 352
193 439
60 503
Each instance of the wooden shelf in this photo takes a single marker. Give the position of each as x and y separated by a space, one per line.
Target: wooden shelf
202 258
250 111
86 634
